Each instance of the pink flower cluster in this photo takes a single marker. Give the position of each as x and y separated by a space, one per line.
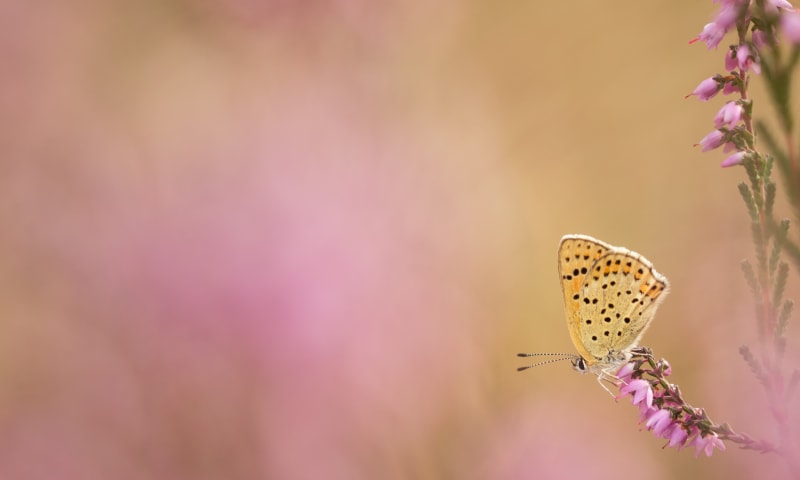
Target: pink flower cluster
732 12
763 21
663 411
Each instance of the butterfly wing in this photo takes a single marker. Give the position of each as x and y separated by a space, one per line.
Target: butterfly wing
610 296
617 302
577 255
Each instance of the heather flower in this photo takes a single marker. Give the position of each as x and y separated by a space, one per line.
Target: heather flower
659 421
757 25
729 115
677 436
728 15
707 89
772 6
711 35
735 159
761 39
790 25
624 373
731 86
640 390
706 444
731 63
646 412
666 368
747 60
668 416
712 140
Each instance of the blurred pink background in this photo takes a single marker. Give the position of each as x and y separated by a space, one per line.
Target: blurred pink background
304 240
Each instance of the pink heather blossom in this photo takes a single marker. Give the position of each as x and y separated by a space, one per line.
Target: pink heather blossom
726 19
625 372
677 436
729 115
666 432
666 368
728 15
790 25
659 421
772 6
729 147
730 60
646 412
747 60
706 90
742 55
712 140
761 39
711 35
735 159
730 87
706 444
640 390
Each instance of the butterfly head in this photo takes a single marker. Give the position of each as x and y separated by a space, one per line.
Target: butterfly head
579 364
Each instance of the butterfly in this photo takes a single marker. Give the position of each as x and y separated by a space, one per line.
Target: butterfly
610 297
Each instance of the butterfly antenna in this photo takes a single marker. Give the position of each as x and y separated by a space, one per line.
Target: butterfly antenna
562 356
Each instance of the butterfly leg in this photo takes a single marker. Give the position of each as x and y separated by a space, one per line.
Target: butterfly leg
606 375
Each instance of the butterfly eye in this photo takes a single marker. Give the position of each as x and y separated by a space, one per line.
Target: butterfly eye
579 364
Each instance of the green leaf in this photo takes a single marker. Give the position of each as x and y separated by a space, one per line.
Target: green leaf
755 180
754 365
783 318
780 283
747 196
750 277
769 197
779 238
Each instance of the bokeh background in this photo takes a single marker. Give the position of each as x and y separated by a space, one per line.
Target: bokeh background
296 240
